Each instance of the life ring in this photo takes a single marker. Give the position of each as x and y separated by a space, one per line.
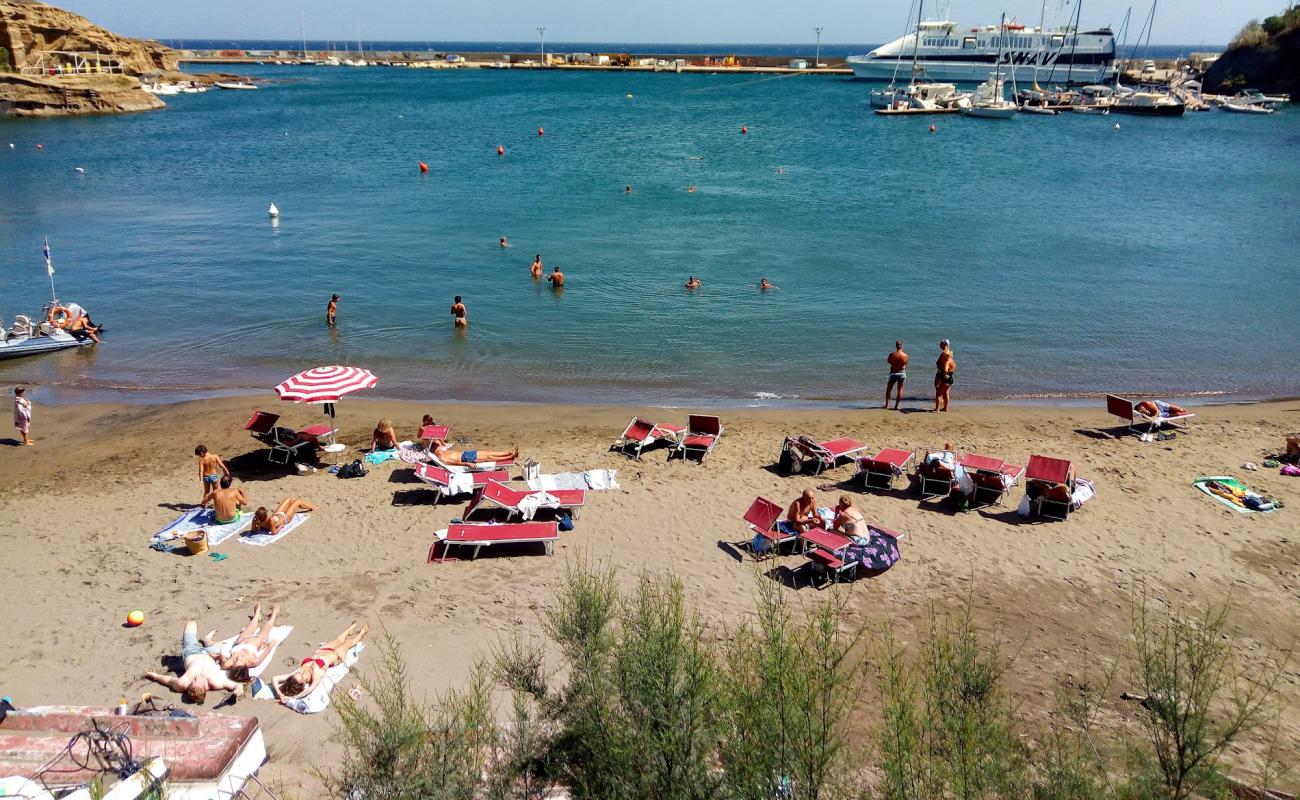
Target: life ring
59 317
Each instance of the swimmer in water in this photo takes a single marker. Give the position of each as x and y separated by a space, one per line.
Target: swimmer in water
556 278
763 285
692 282
780 170
627 189
458 311
505 242
691 189
536 268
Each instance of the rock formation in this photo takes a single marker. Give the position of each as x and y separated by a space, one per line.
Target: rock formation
1263 56
40 45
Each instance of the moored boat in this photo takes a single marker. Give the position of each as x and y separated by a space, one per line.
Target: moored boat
1157 104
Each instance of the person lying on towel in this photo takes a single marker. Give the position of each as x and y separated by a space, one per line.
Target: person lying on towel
252 646
303 680
273 521
448 454
1159 409
202 674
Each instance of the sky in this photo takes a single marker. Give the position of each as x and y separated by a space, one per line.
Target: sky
713 21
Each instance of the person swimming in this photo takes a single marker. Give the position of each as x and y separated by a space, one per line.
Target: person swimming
764 285
692 282
504 242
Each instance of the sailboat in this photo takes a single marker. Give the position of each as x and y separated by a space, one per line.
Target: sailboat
1147 103
1037 92
989 100
920 96
304 58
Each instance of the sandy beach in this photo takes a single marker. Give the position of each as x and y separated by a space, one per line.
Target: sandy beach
77 511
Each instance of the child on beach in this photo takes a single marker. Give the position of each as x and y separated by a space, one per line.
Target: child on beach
211 468
23 414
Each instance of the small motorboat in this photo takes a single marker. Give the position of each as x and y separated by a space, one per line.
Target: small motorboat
1044 110
1246 108
234 85
28 338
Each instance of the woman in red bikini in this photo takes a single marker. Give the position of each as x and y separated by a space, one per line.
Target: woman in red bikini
303 680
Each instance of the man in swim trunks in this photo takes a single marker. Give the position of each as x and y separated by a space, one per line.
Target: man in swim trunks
945 370
82 328
536 268
897 361
692 282
556 278
303 680
468 458
202 674
331 310
211 468
1158 409
802 514
227 503
458 311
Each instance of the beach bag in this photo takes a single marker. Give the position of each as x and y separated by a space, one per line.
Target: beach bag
532 470
565 522
1291 469
352 470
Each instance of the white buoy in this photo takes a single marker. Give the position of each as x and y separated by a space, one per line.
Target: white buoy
1116 126
273 211
11 145
80 169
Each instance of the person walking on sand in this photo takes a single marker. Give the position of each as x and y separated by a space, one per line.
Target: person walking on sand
23 414
460 313
945 370
211 469
897 361
536 268
331 310
556 278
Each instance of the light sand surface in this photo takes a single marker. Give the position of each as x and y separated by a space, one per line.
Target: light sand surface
77 510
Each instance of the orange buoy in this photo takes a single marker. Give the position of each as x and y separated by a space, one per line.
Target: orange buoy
424 167
541 131
931 127
501 150
744 129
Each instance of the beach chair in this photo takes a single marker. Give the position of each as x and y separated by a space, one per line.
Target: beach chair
701 436
803 453
640 434
880 470
933 478
450 484
992 477
460 534
764 521
1047 483
289 444
485 466
827 553
433 433
495 494
1127 410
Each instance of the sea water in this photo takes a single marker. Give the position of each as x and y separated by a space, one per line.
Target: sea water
1061 255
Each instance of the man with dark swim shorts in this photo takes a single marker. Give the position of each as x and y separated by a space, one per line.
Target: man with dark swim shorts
897 361
945 370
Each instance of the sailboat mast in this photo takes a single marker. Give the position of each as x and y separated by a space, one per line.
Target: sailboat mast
1073 31
997 63
1124 28
302 27
1038 57
916 43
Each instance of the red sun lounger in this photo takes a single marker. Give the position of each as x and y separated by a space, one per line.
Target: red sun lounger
480 536
702 435
828 552
431 433
640 434
486 466
498 495
448 484
1047 482
1126 409
934 478
764 521
880 470
289 444
992 477
805 454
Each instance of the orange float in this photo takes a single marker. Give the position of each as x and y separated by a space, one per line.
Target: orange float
424 167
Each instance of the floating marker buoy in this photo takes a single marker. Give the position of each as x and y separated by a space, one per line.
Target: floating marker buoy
11 145
541 131
501 150
40 147
629 95
1116 126
932 128
744 129
80 169
273 211
424 167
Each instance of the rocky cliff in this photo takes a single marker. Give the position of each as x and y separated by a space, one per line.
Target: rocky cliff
1263 56
23 96
29 29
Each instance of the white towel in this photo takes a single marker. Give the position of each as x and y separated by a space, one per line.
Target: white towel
262 538
319 698
1083 492
460 483
204 518
278 634
529 506
592 479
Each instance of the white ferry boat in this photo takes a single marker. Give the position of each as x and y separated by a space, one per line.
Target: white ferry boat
948 52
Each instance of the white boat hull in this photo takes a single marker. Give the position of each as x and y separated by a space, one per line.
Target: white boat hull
991 112
19 347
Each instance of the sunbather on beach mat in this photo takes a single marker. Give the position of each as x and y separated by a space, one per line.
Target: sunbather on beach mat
448 454
252 646
202 673
1159 409
273 521
302 681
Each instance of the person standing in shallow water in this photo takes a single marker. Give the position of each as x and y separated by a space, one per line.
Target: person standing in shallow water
897 361
536 268
459 311
945 371
331 310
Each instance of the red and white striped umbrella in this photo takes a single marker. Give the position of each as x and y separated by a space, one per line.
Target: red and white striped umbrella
325 384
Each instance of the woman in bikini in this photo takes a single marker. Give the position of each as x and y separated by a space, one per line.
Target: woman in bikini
384 437
945 369
301 681
848 520
274 521
252 645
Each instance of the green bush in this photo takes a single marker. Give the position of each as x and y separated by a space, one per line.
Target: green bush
1252 34
4 59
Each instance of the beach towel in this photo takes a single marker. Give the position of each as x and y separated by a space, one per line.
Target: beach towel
319 699
262 538
380 456
278 634
876 552
411 453
1234 494
592 480
204 518
460 483
529 506
1084 491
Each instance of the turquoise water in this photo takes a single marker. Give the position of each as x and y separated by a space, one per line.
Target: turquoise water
1061 256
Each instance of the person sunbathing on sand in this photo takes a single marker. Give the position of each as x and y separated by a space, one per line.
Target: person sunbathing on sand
252 646
202 674
301 681
227 502
384 437
273 521
1159 408
447 454
848 520
802 514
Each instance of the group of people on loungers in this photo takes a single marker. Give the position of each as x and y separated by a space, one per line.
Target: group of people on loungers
803 515
210 667
229 501
385 438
